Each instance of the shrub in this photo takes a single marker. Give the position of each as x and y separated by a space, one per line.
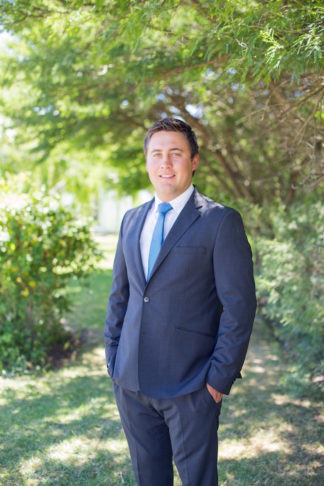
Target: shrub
289 280
42 246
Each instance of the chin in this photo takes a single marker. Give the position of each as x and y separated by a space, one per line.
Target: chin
166 188
164 192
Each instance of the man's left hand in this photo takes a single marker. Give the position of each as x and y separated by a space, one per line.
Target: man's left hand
217 396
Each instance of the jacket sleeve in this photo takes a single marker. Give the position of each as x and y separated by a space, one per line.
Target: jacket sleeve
233 268
117 305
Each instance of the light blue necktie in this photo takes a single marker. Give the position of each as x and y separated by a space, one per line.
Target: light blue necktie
158 236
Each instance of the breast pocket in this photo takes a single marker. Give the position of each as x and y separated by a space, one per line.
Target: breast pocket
199 250
190 258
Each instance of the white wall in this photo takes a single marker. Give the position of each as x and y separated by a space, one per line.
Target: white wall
111 209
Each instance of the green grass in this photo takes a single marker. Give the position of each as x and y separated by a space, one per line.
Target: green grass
62 427
90 301
90 298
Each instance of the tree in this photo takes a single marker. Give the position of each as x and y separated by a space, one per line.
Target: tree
85 79
82 80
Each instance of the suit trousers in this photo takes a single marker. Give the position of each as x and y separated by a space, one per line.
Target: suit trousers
183 428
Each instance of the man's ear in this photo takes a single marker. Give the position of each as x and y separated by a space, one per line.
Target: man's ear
195 162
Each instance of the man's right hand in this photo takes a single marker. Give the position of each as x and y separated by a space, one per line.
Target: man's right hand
217 396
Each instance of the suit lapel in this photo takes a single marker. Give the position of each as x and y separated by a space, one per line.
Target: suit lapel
186 218
137 237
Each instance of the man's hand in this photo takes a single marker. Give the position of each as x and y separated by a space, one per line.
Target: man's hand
217 396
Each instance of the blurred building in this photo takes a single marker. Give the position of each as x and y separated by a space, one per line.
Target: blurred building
111 209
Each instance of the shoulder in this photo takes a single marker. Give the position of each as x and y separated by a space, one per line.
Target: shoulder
224 222
212 209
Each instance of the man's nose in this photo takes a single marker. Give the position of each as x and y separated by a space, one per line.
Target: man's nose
166 160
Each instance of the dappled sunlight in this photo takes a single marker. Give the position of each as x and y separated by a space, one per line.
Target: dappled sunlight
76 451
258 358
3 401
66 416
30 466
80 449
23 388
315 447
282 399
260 372
252 357
95 355
91 363
257 369
23 383
236 412
253 383
74 372
265 440
64 424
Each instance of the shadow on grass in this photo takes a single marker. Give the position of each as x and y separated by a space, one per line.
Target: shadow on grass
260 470
90 398
63 428
103 468
93 472
268 436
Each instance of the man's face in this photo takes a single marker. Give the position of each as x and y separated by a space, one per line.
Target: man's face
169 164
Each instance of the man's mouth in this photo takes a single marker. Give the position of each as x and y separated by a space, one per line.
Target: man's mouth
166 176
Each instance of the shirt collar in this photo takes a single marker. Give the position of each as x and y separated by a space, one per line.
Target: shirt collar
179 202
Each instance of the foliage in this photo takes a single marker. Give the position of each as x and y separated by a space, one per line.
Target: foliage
83 80
42 246
290 282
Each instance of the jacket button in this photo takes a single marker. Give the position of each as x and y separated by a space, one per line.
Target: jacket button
146 299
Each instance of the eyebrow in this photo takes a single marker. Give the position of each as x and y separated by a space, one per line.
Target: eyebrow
171 150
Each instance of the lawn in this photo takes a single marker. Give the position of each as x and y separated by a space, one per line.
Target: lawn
62 427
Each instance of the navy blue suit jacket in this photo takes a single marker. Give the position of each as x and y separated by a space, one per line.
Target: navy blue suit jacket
190 323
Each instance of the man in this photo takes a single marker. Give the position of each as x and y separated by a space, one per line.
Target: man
180 315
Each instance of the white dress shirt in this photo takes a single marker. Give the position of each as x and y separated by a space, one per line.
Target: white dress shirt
146 236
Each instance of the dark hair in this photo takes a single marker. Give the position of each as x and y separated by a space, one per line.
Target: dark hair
173 125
